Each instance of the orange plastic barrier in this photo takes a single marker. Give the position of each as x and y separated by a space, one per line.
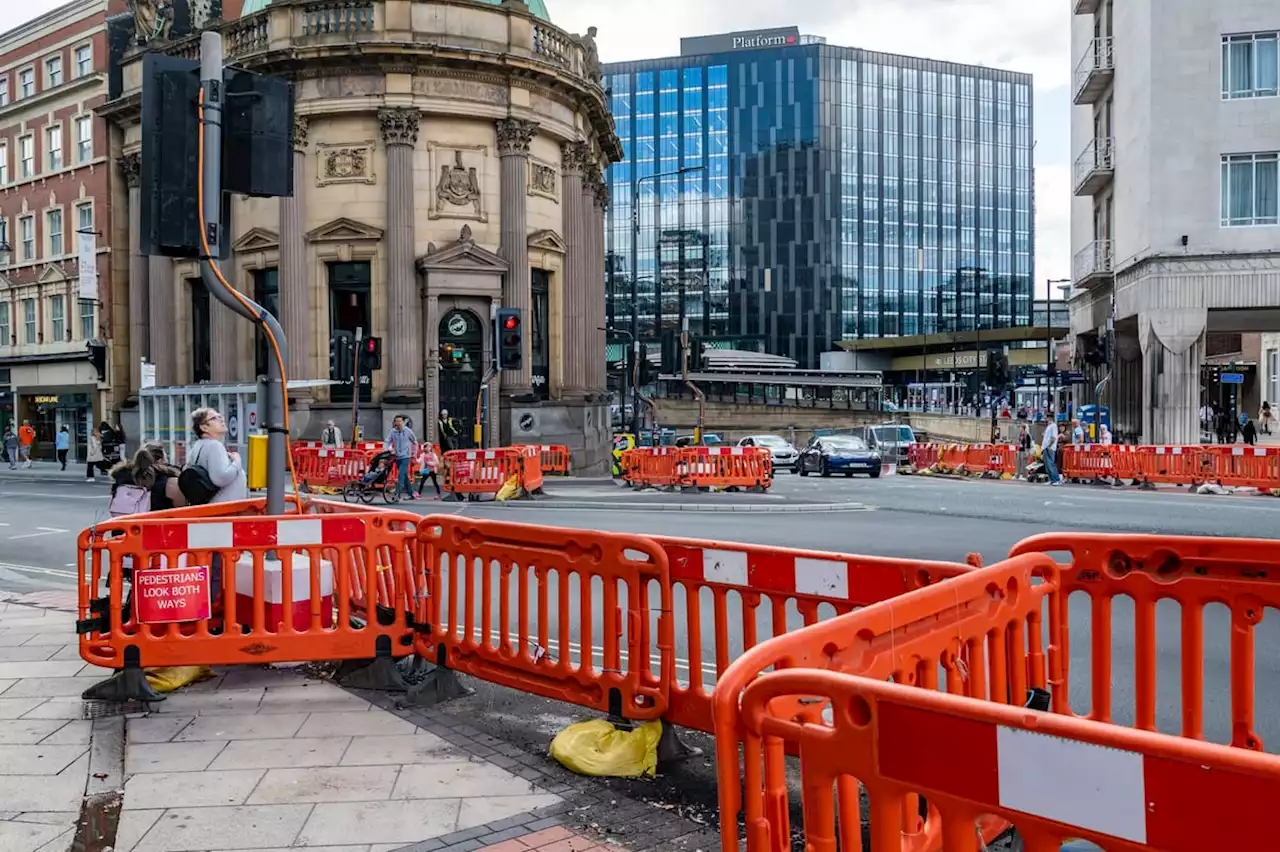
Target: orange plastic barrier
473 473
862 702
503 601
318 467
556 459
1245 467
770 590
530 469
725 467
924 456
258 610
653 467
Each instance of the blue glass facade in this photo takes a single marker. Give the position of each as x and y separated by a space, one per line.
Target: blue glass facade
829 193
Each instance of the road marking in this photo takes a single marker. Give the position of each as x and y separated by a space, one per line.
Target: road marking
97 497
41 531
31 569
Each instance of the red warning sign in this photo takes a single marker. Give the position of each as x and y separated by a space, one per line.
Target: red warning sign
166 595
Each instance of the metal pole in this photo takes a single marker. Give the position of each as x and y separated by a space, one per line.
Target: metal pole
635 384
1048 347
273 417
355 389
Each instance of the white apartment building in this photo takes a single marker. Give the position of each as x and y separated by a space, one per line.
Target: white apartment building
1175 221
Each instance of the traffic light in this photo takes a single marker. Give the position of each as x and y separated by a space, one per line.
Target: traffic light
510 339
371 356
342 357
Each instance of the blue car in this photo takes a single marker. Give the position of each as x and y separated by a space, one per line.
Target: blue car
844 454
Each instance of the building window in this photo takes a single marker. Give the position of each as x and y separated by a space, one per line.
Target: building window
88 324
26 82
27 233
201 340
29 320
1250 186
350 302
1273 369
53 227
53 145
6 333
266 292
53 72
26 157
1250 65
4 163
84 139
84 217
4 90
84 60
58 317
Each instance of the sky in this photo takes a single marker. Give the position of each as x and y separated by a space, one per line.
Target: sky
1032 36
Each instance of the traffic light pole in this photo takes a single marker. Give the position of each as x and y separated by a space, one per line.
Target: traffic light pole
211 74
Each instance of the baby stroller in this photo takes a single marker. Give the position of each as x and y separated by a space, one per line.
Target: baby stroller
376 478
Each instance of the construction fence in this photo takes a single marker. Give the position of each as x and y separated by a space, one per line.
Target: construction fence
668 468
1144 465
939 688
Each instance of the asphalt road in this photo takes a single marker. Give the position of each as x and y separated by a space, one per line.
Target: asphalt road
907 517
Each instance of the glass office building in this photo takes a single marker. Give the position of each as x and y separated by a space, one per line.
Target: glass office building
780 194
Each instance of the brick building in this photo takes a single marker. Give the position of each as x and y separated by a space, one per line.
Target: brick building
57 179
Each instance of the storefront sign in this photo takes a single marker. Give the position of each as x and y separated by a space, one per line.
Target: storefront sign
957 361
747 40
45 400
166 595
148 375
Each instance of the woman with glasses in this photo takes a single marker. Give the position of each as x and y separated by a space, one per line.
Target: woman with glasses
211 455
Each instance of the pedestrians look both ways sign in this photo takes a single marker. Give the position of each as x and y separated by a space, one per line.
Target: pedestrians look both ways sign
172 594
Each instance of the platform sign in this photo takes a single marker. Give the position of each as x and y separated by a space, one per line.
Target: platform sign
167 595
1231 378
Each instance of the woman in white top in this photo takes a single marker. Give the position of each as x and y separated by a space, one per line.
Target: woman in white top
224 468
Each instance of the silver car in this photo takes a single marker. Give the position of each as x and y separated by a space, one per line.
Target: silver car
784 454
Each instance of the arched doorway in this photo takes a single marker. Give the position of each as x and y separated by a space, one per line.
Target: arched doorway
461 368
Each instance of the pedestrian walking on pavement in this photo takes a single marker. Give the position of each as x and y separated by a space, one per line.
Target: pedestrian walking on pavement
1248 431
1264 417
96 460
428 461
62 443
402 442
11 447
26 438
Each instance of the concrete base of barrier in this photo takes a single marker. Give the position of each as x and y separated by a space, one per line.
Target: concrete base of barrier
381 673
672 749
128 684
440 685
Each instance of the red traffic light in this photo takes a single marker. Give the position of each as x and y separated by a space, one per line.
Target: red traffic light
510 322
370 345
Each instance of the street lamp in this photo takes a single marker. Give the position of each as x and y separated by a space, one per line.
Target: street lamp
1050 365
628 364
635 259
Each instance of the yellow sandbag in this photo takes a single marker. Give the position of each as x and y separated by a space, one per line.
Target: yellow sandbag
175 677
599 749
510 489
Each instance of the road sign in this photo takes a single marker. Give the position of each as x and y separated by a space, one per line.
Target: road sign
172 594
1231 378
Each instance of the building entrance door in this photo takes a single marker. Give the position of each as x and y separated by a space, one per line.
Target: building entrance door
461 369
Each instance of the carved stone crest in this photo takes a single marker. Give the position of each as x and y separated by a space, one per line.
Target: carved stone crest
131 165
542 179
458 191
299 135
345 163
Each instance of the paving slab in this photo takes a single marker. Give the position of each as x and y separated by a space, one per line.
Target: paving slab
326 785
38 759
171 757
27 836
240 728
380 822
271 754
245 827
352 724
473 778
422 747
184 790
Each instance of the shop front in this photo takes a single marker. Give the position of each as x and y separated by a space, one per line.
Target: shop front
52 395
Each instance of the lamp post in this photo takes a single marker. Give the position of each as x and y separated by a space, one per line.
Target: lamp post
629 362
1050 361
635 260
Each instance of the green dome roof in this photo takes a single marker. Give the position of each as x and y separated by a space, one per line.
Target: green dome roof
537 7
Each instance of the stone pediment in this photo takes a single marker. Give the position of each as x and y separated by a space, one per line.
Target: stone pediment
344 230
547 240
257 239
51 275
461 255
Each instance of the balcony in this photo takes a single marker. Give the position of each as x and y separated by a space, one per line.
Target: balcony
1095 71
1087 7
1094 265
1095 168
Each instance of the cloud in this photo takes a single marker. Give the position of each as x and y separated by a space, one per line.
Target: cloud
15 14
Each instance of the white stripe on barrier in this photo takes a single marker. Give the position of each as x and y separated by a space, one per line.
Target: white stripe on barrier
822 577
724 566
210 536
295 533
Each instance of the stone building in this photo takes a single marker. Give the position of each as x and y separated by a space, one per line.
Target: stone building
448 160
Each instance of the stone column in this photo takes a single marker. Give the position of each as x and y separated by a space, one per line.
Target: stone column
164 340
596 352
295 289
572 155
403 345
139 309
592 271
514 137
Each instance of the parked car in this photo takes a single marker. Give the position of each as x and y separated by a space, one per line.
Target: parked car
838 454
784 454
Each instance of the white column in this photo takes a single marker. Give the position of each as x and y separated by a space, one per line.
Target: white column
403 346
514 137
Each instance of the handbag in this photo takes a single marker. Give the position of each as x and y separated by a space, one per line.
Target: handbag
196 484
130 500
